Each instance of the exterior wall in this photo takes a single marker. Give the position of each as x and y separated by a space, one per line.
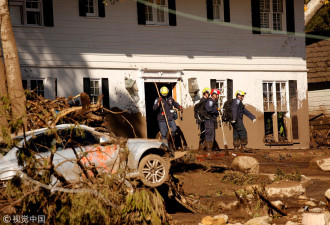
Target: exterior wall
319 103
116 47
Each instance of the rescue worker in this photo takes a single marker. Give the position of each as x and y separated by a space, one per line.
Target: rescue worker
211 107
168 103
239 131
206 94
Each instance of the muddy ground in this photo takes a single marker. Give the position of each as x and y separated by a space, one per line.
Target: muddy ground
201 176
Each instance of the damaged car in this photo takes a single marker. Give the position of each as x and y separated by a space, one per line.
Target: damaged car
145 159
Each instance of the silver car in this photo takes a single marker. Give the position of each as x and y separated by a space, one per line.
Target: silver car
148 159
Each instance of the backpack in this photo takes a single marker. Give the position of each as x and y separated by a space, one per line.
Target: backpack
199 111
227 115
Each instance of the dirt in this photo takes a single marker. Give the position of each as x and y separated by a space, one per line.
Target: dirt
202 174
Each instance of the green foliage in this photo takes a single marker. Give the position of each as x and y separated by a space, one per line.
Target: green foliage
281 175
321 21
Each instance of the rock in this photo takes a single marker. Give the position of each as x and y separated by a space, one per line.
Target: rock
278 204
316 219
263 220
322 162
207 220
310 203
285 188
223 216
327 194
245 164
302 197
291 223
316 210
219 221
229 206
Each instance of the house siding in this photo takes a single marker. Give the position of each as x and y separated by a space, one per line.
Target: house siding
116 47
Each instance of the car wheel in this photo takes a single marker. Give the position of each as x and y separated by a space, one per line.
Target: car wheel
153 170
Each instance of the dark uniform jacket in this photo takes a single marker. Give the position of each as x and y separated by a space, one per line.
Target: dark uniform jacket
238 110
211 107
168 105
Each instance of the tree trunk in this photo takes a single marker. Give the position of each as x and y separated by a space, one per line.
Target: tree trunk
312 8
4 126
13 73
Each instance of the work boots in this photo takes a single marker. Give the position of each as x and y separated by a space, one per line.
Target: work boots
202 146
244 148
236 144
209 145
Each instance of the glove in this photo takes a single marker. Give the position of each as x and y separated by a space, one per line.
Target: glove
160 99
218 109
254 120
233 121
181 109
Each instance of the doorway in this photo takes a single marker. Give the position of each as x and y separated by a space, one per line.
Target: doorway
150 96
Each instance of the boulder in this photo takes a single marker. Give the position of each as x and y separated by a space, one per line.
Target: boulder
216 220
278 204
316 219
207 220
221 216
245 164
310 203
322 162
284 188
263 220
327 196
291 223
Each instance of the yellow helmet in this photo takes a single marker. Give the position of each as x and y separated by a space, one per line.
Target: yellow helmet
208 90
239 92
164 91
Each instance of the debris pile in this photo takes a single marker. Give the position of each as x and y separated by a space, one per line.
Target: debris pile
319 138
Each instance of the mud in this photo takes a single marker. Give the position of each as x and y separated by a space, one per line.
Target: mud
201 177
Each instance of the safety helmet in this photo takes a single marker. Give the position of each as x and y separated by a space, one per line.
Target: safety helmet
164 91
239 92
208 90
215 91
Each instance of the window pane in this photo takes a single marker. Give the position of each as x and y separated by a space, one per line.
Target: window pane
277 6
16 14
264 20
33 18
149 16
90 6
277 21
264 6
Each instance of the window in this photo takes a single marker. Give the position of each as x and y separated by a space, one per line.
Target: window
95 90
275 95
272 15
91 8
222 86
36 85
26 12
156 12
217 9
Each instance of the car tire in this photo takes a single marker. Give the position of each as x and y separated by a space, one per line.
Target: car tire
153 170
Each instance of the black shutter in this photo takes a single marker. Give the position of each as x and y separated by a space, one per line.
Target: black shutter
141 13
209 9
294 107
213 83
82 8
226 8
229 89
290 25
105 92
255 7
47 6
171 14
87 85
101 8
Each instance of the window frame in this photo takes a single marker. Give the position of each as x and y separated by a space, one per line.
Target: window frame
24 11
270 29
28 84
96 11
223 91
92 95
154 14
221 11
274 92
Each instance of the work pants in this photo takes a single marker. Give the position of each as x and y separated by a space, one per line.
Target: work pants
239 133
164 129
209 130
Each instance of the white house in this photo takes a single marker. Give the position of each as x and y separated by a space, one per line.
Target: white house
119 50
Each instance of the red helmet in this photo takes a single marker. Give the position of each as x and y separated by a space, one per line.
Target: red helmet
215 91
